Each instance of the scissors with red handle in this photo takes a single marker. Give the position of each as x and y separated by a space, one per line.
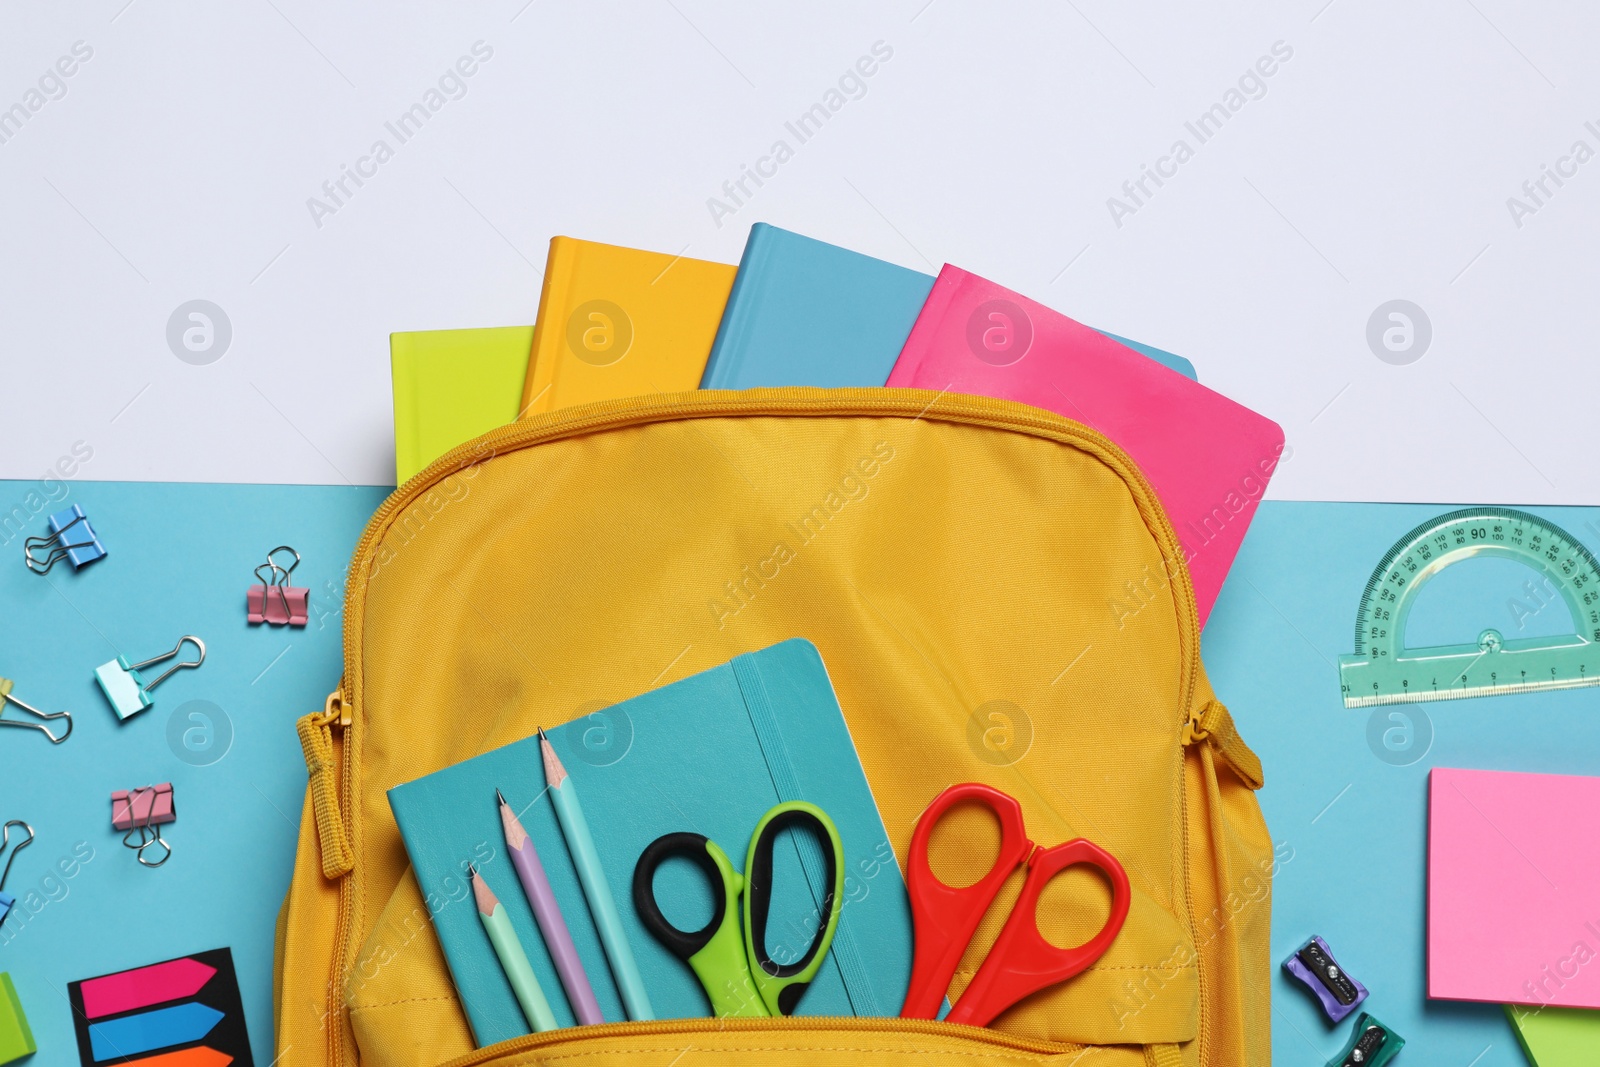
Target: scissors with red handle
1021 961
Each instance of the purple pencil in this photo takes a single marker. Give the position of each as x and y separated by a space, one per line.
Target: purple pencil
530 872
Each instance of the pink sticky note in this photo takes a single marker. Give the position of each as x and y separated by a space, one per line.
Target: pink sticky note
1207 458
144 986
1514 888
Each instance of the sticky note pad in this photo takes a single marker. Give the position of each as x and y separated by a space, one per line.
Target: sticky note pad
16 1040
184 1012
1513 866
1557 1037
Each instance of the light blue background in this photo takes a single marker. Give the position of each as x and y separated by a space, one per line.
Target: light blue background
1358 875
181 557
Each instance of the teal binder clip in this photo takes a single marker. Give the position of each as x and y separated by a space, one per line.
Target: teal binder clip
127 691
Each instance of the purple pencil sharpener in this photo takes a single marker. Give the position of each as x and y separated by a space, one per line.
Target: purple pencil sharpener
1315 966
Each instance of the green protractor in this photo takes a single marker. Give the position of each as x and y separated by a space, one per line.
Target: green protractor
1384 671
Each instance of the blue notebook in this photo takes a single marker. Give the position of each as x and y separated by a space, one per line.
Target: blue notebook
711 753
805 312
1166 359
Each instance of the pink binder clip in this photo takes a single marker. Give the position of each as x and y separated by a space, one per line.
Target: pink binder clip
275 601
141 813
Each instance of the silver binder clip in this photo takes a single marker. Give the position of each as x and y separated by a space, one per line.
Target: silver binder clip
7 698
6 900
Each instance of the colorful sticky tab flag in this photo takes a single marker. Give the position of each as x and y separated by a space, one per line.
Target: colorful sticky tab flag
183 1012
150 1030
199 1056
144 986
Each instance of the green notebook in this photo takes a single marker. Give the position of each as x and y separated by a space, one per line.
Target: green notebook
452 385
1557 1037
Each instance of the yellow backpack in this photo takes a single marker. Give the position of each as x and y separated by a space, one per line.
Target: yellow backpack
998 597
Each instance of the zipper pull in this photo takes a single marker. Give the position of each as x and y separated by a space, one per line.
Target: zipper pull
322 778
337 707
1195 729
1211 722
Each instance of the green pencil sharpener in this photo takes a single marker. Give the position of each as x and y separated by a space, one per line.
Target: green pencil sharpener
1371 1045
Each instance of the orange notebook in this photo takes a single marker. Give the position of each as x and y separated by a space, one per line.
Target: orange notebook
617 322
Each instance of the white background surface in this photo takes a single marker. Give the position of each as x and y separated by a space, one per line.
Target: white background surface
1377 165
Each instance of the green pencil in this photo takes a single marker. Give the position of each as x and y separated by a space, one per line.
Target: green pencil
514 961
575 828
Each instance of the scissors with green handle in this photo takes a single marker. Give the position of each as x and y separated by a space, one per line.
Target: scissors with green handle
729 955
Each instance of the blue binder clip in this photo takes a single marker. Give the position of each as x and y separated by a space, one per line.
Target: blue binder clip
71 539
127 691
6 900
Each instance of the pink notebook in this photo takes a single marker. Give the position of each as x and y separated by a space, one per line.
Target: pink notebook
1514 888
1208 457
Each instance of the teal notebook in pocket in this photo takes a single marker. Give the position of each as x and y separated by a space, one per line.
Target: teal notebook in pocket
709 754
805 312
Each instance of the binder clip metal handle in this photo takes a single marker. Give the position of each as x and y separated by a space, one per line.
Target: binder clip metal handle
127 692
284 571
141 812
7 698
149 837
5 839
274 600
78 547
180 665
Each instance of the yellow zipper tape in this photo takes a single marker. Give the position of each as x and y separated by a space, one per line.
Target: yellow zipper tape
688 1028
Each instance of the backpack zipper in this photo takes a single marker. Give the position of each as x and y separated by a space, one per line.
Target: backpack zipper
999 1039
316 739
591 418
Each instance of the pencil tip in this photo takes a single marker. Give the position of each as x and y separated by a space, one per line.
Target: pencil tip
481 893
554 772
501 797
472 870
516 836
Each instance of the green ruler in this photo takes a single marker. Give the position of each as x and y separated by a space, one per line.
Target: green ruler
1384 671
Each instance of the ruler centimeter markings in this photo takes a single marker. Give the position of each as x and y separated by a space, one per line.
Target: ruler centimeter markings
1383 671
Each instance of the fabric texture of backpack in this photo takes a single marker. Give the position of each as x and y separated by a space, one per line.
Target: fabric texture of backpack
998 597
